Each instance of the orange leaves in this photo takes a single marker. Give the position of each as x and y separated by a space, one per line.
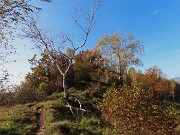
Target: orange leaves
7 2
89 57
102 41
114 39
132 110
161 86
155 80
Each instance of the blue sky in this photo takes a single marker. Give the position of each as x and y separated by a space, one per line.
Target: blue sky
155 22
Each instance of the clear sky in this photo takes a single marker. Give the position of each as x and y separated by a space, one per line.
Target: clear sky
155 22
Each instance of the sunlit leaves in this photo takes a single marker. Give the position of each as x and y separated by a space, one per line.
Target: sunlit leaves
132 110
88 66
155 80
119 52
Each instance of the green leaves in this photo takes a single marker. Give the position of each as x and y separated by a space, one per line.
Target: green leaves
43 87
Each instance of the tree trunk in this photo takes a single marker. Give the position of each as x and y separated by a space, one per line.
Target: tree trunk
121 78
65 87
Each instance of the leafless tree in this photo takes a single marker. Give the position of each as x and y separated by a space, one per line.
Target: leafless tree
55 50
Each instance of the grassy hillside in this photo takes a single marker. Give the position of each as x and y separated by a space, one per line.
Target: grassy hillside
58 118
17 120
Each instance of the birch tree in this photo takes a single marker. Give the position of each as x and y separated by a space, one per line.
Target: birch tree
119 52
55 50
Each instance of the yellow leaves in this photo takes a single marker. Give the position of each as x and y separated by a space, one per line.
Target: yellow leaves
99 44
114 39
154 106
119 52
102 41
130 108
7 2
140 118
1 10
108 40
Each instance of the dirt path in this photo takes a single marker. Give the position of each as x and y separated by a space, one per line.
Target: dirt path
40 122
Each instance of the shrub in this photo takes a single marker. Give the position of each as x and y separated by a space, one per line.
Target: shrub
132 110
28 95
43 87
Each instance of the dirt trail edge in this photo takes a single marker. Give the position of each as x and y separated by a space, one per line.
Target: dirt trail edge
40 121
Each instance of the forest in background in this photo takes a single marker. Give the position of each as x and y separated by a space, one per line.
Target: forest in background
97 91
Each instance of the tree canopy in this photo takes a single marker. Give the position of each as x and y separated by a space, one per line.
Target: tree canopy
119 52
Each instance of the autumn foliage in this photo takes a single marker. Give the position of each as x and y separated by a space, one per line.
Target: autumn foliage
132 110
133 101
88 67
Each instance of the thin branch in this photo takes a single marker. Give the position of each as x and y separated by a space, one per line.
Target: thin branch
91 20
80 106
64 64
70 108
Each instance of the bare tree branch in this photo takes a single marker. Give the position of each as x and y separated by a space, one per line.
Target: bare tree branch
80 106
55 51
70 108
